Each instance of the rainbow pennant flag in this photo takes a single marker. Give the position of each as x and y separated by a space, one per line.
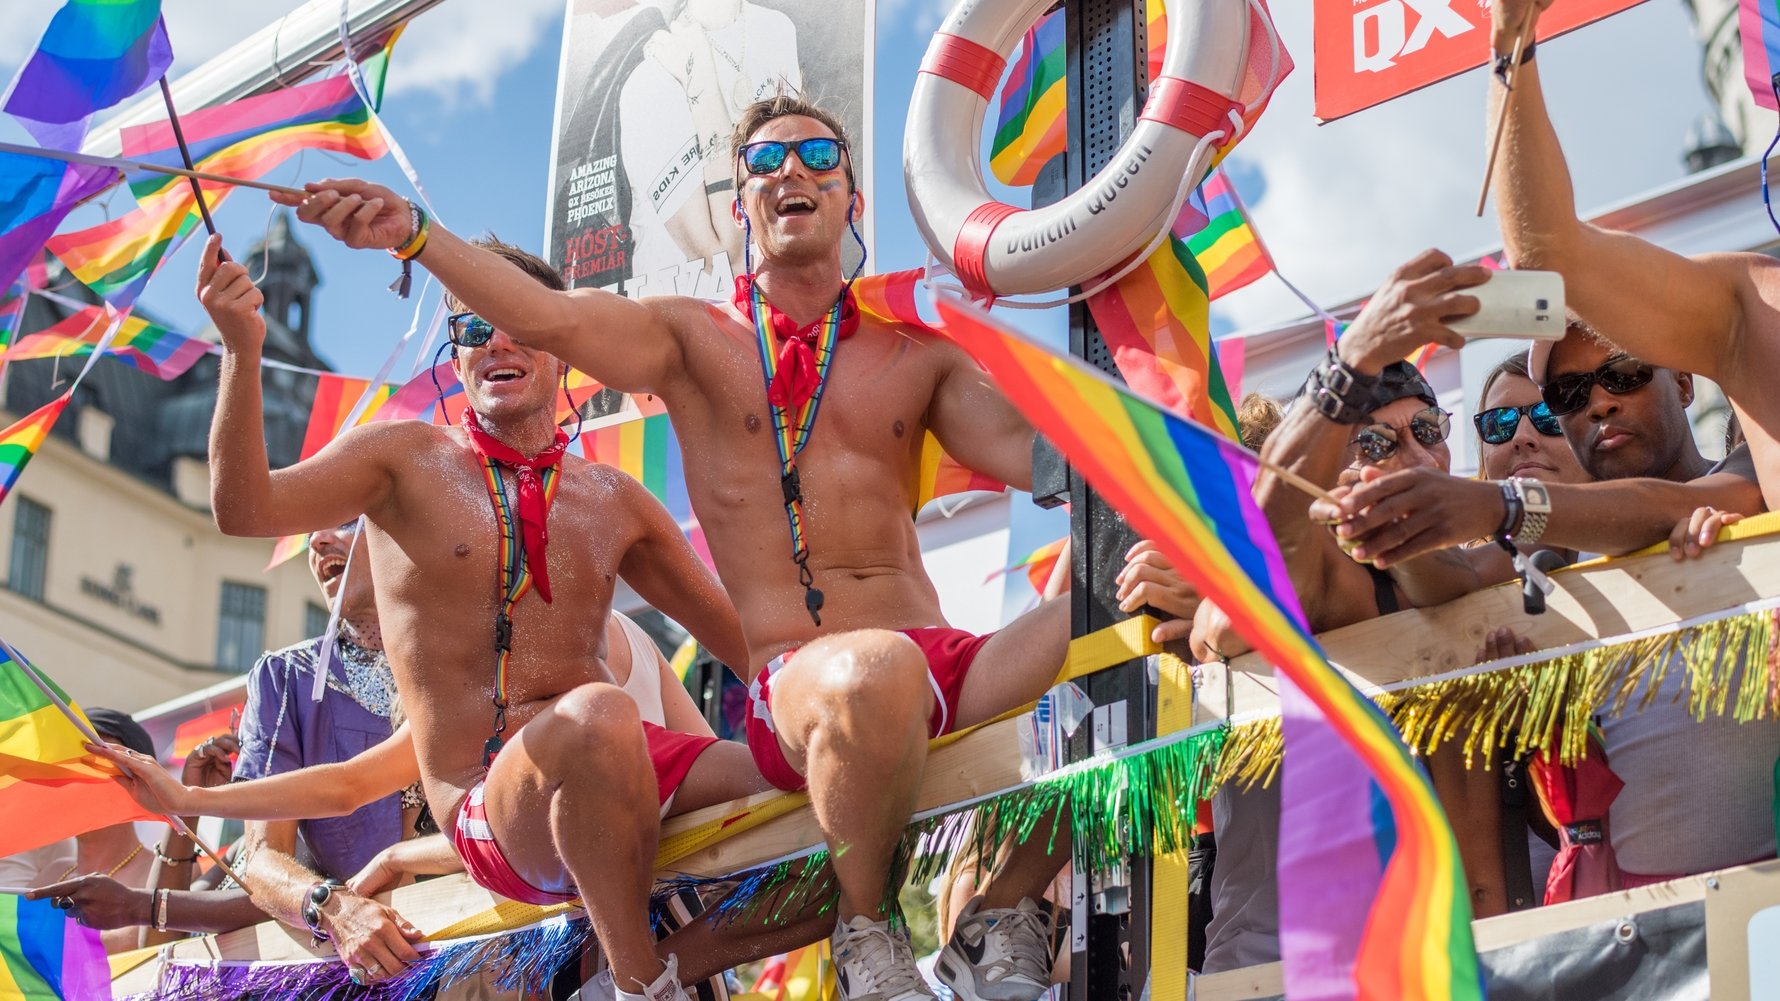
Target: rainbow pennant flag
1227 246
1157 323
21 441
245 138
50 788
286 548
645 449
46 956
1038 565
1758 21
94 54
1029 128
150 347
335 397
1190 491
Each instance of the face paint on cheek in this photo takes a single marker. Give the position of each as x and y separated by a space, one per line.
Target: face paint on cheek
832 184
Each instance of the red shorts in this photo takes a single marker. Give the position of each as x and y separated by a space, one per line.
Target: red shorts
949 653
670 751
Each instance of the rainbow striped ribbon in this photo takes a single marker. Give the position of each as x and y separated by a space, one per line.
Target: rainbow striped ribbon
516 580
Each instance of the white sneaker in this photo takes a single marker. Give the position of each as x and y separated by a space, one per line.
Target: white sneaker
874 963
665 988
999 954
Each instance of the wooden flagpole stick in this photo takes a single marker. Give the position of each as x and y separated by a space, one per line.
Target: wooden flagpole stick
86 730
185 154
1297 481
1489 167
122 164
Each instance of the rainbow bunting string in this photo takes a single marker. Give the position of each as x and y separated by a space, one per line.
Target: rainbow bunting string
94 54
50 788
1758 22
245 138
150 347
1189 491
21 441
1157 323
1029 129
1227 247
45 955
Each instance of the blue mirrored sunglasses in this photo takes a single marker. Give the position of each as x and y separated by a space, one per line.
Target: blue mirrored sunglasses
1498 424
467 330
817 154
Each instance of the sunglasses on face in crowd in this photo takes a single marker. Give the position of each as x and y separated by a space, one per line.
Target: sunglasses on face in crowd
1378 442
818 153
1618 375
467 330
1498 424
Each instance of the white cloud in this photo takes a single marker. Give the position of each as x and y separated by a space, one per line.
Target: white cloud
922 17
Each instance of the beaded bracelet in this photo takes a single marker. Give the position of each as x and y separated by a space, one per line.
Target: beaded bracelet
171 860
421 226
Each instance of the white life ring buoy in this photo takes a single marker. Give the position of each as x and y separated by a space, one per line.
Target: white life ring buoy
1000 250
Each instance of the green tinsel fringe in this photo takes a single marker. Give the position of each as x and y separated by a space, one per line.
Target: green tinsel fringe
1730 667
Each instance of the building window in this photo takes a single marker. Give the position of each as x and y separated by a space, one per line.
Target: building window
30 548
241 628
315 619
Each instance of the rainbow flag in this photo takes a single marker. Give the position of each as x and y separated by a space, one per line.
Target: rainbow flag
94 54
1758 21
1227 247
1157 323
418 398
1190 491
1038 565
36 193
285 548
1029 129
46 956
335 397
50 788
150 347
21 441
245 138
940 475
645 449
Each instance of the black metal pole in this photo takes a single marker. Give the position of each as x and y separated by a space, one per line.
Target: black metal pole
185 154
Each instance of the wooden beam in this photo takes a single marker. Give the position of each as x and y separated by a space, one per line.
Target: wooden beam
1598 600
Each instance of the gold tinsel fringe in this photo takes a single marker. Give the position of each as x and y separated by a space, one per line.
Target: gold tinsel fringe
1732 668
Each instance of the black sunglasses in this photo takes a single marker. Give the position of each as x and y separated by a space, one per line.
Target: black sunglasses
1618 375
1377 442
1498 424
467 330
818 153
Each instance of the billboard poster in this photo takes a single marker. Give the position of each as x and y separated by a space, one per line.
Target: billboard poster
1370 51
641 179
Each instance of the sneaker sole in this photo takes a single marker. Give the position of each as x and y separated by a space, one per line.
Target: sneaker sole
957 974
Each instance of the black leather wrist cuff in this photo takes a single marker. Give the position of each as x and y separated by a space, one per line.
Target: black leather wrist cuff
1338 392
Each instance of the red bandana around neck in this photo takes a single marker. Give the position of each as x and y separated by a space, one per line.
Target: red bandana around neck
534 508
795 382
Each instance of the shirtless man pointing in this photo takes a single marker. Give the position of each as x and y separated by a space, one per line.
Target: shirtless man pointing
853 666
542 771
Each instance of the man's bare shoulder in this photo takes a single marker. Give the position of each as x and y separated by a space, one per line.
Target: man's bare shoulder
398 443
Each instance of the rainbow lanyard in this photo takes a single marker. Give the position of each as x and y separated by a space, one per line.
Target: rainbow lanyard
792 432
516 579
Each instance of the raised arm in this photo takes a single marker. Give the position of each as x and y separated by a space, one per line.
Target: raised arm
1666 309
661 566
976 423
626 344
332 790
346 479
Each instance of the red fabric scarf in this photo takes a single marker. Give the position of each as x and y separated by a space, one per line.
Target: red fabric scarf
533 508
795 381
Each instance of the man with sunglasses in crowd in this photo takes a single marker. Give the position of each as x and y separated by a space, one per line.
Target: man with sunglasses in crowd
1715 314
854 667
1626 422
496 556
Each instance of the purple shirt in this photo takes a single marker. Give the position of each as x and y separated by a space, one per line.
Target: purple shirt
283 729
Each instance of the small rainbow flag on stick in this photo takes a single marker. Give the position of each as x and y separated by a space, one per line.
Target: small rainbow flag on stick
285 548
44 955
1227 247
21 441
1190 491
94 54
150 347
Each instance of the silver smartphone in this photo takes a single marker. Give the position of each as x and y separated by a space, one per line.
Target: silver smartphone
1516 304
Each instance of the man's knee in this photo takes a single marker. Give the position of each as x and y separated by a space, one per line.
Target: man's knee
587 728
871 671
